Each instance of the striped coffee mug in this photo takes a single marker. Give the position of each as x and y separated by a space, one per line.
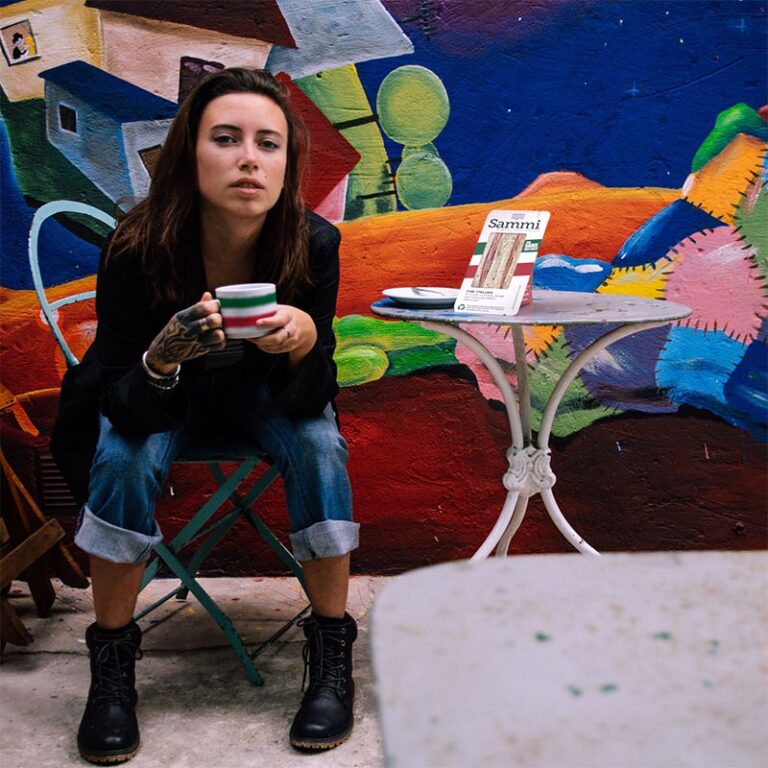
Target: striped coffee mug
242 305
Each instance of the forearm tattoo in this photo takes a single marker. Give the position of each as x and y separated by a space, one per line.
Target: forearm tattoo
188 335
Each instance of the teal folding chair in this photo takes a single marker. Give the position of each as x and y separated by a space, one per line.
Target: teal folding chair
202 529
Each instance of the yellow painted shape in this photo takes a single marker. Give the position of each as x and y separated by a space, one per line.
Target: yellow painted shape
646 280
539 337
340 95
64 30
719 186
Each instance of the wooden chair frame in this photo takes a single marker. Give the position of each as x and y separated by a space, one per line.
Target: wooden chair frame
30 543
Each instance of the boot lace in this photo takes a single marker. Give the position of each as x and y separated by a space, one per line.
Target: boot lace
113 665
323 656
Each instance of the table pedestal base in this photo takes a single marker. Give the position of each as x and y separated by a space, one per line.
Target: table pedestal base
529 472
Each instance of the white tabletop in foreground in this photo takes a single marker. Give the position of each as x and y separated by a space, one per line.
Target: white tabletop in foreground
560 661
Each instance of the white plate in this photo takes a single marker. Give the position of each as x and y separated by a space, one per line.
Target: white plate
425 296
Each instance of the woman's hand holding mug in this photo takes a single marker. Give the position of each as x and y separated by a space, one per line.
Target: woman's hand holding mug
190 333
290 330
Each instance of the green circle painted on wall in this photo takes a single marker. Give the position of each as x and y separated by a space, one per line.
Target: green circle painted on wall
423 181
430 147
360 363
412 105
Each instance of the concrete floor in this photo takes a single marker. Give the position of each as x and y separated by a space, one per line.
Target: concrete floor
196 707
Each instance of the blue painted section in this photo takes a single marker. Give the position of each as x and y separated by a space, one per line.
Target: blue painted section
653 240
564 273
762 334
746 391
624 375
97 146
694 367
105 93
64 256
604 88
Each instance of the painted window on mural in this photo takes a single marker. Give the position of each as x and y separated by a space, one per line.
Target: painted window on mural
192 71
149 157
18 43
67 118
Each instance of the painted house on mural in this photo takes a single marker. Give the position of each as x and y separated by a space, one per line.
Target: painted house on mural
166 46
58 31
109 129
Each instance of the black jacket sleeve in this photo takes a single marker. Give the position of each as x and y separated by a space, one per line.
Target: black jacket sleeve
307 389
110 378
126 325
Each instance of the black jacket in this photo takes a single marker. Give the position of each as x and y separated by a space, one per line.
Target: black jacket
110 378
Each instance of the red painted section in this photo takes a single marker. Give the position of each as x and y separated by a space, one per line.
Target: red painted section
242 18
331 156
524 268
426 462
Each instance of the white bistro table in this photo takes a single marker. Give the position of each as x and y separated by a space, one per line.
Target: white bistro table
641 660
529 470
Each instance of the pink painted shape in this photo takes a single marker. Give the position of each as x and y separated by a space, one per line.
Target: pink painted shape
713 273
501 346
332 206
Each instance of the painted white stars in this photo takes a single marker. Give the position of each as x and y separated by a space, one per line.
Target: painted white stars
633 91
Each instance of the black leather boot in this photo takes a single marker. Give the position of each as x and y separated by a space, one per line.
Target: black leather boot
109 732
326 716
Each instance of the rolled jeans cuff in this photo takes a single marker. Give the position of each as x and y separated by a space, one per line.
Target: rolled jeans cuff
110 542
328 538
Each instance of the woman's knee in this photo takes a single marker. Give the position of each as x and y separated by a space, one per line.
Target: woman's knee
127 461
321 442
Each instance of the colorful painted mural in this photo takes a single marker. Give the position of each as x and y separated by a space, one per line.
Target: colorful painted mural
641 127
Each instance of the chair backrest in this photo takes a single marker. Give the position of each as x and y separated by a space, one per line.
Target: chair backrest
49 308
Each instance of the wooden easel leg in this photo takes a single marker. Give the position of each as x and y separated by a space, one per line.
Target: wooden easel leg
12 630
27 519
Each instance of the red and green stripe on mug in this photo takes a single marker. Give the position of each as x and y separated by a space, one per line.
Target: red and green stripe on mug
242 305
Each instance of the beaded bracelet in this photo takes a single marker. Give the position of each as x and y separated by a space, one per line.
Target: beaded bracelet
161 385
159 380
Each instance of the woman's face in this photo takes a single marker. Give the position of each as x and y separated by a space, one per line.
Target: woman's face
241 155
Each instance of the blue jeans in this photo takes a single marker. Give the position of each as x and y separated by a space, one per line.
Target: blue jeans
118 521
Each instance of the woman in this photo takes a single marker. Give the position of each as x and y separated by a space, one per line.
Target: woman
224 207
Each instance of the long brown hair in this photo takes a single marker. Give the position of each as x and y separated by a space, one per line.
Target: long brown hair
162 225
